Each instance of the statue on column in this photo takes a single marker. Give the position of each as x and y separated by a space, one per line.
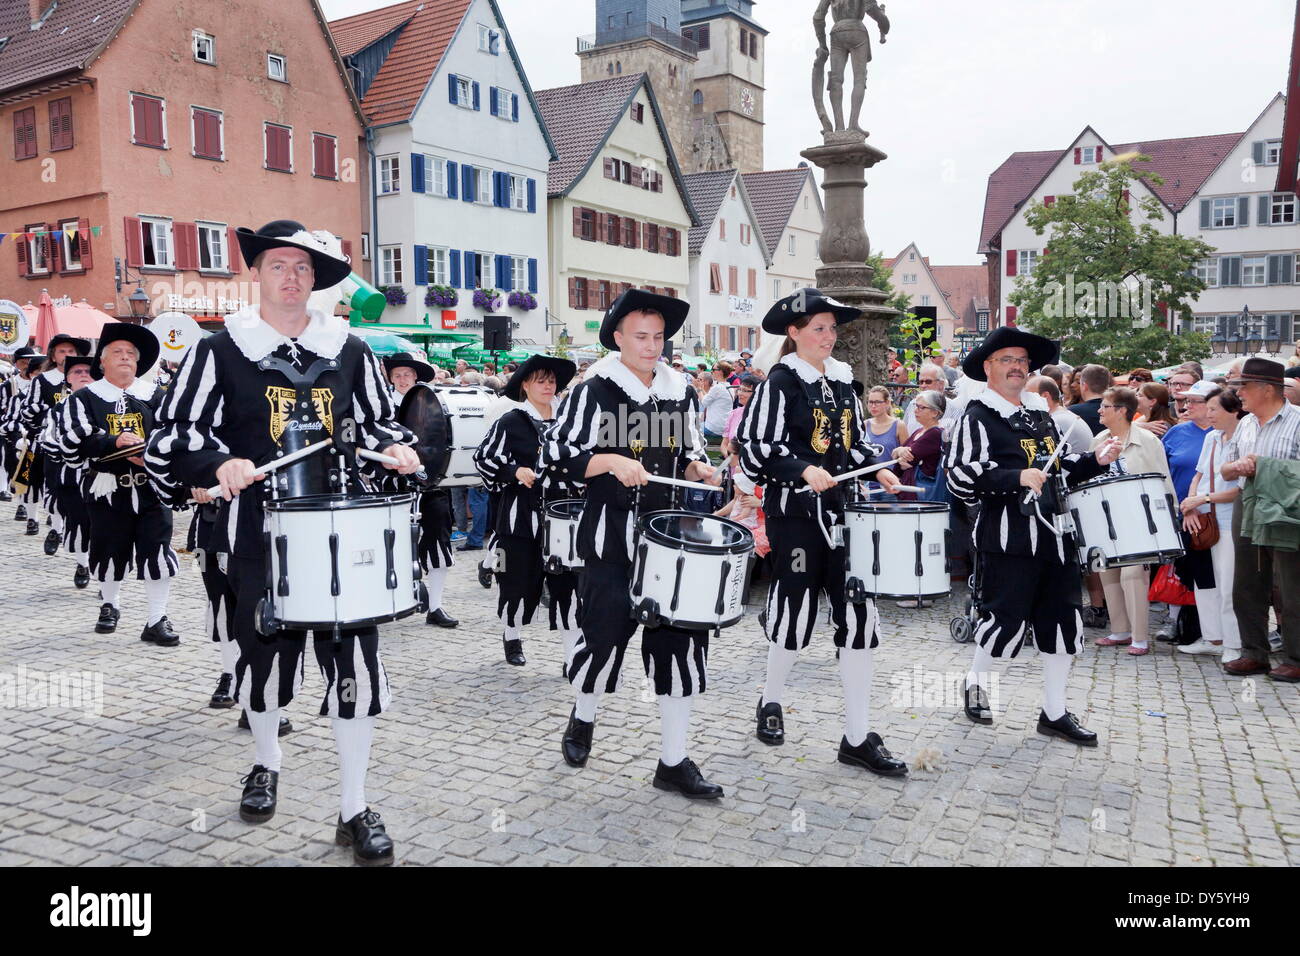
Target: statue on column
849 41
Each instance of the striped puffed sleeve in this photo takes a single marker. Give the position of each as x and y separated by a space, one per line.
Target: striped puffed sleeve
372 405
570 440
970 467
763 436
80 437
492 458
32 407
184 450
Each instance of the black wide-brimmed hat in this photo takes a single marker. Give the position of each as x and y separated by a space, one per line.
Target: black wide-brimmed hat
564 371
144 341
88 360
805 302
673 310
1261 370
1041 351
424 372
287 234
26 352
81 345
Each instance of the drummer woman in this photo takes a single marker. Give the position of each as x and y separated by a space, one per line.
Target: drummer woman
507 460
804 426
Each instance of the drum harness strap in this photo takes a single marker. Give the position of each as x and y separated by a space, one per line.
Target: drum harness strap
302 383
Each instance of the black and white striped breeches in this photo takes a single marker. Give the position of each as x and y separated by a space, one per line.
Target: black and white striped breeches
75 511
121 539
676 660
803 567
220 618
435 529
1016 591
520 575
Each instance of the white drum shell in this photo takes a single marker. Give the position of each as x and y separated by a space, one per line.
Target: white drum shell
560 541
365 596
466 409
886 542
1125 520
693 589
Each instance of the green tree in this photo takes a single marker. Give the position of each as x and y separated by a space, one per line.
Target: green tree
1105 283
883 279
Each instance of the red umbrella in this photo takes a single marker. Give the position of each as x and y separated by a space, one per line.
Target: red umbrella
46 325
80 318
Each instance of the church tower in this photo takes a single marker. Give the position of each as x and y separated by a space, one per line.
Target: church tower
728 88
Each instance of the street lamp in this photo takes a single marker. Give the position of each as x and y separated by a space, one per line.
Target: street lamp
1273 341
1219 344
138 302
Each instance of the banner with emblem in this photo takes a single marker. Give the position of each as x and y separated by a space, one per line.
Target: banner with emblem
14 332
177 333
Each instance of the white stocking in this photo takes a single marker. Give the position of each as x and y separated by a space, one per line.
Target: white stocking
674 719
266 737
353 738
156 592
435 580
855 675
1056 674
780 662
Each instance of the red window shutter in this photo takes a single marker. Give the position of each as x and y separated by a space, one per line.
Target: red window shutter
25 133
1011 262
234 257
134 242
677 242
733 280
187 246
139 120
1049 200
83 244
199 128
1127 197
331 150
20 245
610 168
636 176
645 235
1012 312
753 283
1096 152
153 122
577 222
573 293
53 248
1078 155
598 226
61 123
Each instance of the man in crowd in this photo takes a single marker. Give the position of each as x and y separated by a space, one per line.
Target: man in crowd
1073 429
1093 381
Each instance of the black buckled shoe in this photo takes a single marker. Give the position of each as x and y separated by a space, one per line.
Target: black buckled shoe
771 724
161 633
81 577
20 513
221 697
1067 728
52 542
285 726
872 755
576 744
440 618
5 495
258 803
977 705
108 617
370 842
687 780
514 652
485 575
33 526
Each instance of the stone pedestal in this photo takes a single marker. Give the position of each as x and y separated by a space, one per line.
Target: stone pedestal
844 159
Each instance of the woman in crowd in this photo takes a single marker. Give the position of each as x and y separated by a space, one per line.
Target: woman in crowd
1139 377
724 373
715 405
744 392
1154 413
920 452
1219 633
1126 588
1070 394
884 428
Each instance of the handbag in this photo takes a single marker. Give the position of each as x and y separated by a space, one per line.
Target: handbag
1205 531
1167 589
932 489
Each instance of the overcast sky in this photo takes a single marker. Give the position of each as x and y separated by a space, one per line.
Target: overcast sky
962 84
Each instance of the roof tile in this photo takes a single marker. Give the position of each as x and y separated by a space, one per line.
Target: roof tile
66 41
773 194
578 118
707 191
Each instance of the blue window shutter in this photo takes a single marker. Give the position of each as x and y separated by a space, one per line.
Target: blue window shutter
532 275
452 173
493 99
421 265
1243 211
470 263
1265 210
467 178
1205 214
532 195
504 179
477 105
451 83
504 278
417 172
514 107
453 260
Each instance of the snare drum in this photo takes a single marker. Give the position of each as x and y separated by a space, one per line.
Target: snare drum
560 535
689 570
449 423
1124 520
896 550
341 561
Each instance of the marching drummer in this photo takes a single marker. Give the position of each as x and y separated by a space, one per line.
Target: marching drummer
13 390
999 449
404 373
48 390
70 498
632 417
129 525
803 426
279 368
507 460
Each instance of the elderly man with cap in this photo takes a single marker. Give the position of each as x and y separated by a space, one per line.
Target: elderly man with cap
69 494
129 525
594 441
1264 455
48 391
13 391
1028 573
282 376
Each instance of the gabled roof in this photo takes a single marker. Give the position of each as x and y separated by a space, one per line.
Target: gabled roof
69 40
1185 163
774 193
354 34
965 287
583 117
708 191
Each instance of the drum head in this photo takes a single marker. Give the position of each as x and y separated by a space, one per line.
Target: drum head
339 502
570 508
1115 480
422 412
687 530
897 507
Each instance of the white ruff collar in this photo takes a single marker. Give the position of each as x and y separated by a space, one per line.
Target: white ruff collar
667 384
141 388
53 376
324 334
531 410
993 400
836 370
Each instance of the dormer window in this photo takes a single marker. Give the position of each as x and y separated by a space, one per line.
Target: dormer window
205 48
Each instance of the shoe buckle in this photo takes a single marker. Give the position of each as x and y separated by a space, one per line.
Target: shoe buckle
773 722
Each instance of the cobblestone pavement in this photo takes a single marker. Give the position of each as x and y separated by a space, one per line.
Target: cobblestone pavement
467 769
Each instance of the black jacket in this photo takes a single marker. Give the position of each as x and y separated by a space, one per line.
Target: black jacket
514 442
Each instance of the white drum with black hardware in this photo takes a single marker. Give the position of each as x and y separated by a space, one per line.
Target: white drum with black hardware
689 570
449 423
896 550
1123 520
560 535
341 561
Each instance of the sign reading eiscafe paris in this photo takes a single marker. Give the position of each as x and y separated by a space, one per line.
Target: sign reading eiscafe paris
203 303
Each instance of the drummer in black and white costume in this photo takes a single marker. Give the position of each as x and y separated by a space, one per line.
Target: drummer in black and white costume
47 392
129 525
13 390
631 417
279 372
404 373
70 480
803 426
1030 576
507 461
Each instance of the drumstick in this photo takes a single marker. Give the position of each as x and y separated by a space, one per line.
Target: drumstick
215 492
683 484
853 474
387 460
